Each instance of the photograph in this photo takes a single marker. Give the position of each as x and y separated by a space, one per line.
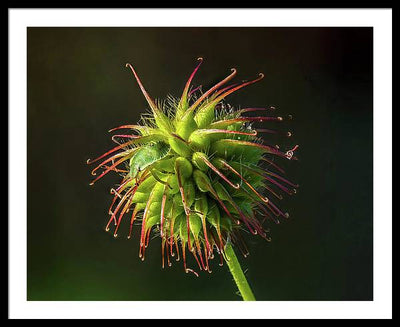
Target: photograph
200 163
236 163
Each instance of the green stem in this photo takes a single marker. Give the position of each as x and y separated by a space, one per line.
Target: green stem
237 273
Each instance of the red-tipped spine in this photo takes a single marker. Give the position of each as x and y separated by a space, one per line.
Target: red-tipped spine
215 87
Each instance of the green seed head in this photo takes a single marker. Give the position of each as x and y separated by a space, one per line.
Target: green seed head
196 172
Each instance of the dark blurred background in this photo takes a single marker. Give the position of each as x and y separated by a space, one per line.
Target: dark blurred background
79 88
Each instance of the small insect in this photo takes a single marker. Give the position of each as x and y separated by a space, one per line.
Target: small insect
198 173
147 155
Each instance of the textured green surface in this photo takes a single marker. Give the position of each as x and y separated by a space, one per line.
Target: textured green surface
237 274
